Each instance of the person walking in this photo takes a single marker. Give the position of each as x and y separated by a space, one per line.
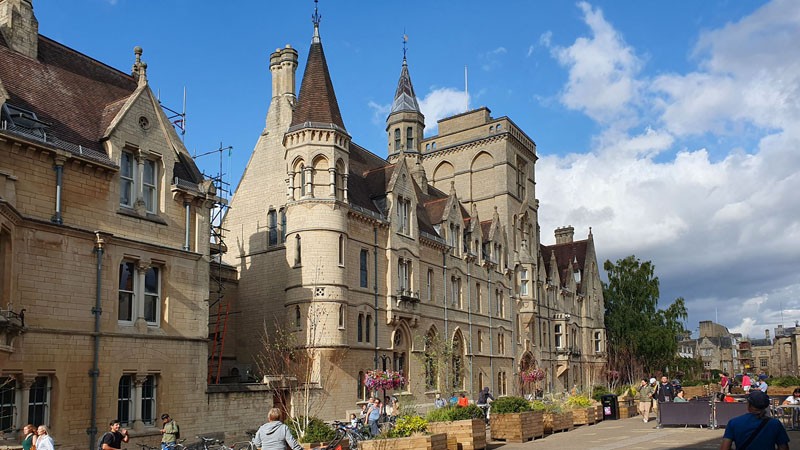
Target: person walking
746 383
755 427
724 383
275 435
439 402
114 437
44 441
170 432
463 401
29 435
373 416
645 398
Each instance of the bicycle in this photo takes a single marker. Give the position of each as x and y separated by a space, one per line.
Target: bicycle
148 447
178 445
211 443
353 436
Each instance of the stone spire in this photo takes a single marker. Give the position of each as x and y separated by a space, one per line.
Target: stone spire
139 70
317 105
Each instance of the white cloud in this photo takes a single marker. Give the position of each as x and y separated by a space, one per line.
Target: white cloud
492 59
722 231
440 103
530 51
602 70
379 111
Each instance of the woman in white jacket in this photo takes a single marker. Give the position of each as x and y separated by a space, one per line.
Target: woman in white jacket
44 441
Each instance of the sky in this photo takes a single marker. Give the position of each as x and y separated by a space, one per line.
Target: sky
670 128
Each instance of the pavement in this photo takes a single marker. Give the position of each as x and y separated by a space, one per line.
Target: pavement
630 433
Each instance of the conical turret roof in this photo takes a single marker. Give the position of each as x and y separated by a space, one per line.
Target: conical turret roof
404 97
317 105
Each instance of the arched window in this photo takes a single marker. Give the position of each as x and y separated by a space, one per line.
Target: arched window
341 317
400 349
431 377
282 214
303 190
480 341
360 328
409 138
297 317
368 326
458 362
397 139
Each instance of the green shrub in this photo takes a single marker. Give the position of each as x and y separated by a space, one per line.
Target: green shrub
316 431
548 407
599 391
694 382
408 425
506 405
451 413
784 381
579 401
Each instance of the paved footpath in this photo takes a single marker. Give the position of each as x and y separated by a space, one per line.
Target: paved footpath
629 434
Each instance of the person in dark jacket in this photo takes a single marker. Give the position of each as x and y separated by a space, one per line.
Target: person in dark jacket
665 393
275 435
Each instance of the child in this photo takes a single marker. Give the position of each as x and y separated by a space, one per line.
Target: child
354 423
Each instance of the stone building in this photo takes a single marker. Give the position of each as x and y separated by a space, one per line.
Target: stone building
378 258
103 246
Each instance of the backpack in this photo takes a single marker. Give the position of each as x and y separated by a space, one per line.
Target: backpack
177 431
100 441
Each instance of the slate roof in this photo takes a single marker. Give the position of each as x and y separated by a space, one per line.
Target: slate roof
565 253
316 104
404 97
75 95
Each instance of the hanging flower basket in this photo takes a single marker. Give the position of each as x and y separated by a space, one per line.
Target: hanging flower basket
384 380
532 375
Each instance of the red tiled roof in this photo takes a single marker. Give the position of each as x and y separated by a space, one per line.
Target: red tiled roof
317 103
77 95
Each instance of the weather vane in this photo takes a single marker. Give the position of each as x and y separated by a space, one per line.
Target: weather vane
316 17
405 41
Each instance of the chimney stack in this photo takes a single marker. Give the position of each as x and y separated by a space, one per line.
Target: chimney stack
564 235
283 65
766 332
20 27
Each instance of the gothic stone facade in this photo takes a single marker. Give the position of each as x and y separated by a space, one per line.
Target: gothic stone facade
378 258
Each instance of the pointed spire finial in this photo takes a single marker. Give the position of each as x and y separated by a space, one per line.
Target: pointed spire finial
316 18
405 41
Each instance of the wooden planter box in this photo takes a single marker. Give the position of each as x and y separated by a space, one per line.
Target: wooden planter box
583 416
345 443
462 434
517 427
598 413
429 442
555 422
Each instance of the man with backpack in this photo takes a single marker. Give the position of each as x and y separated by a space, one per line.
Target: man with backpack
114 437
170 432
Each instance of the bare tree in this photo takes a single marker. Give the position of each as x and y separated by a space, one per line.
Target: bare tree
299 363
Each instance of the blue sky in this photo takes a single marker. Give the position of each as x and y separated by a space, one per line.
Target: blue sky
670 128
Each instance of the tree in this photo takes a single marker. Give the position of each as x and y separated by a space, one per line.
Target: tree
642 339
298 363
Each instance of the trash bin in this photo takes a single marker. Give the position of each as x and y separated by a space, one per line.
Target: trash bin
610 407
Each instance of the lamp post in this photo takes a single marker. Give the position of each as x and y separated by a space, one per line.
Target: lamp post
384 358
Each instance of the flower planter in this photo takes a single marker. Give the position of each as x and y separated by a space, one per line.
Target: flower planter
555 422
583 416
598 413
430 442
517 427
462 434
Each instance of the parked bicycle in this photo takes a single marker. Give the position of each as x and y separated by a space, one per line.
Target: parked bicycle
212 443
343 431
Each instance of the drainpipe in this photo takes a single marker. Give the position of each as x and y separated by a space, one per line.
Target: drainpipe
375 289
469 321
188 206
489 269
96 311
59 168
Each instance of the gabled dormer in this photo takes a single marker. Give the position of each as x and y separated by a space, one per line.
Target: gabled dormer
403 200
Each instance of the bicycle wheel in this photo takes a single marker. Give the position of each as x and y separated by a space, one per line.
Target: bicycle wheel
337 439
243 445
